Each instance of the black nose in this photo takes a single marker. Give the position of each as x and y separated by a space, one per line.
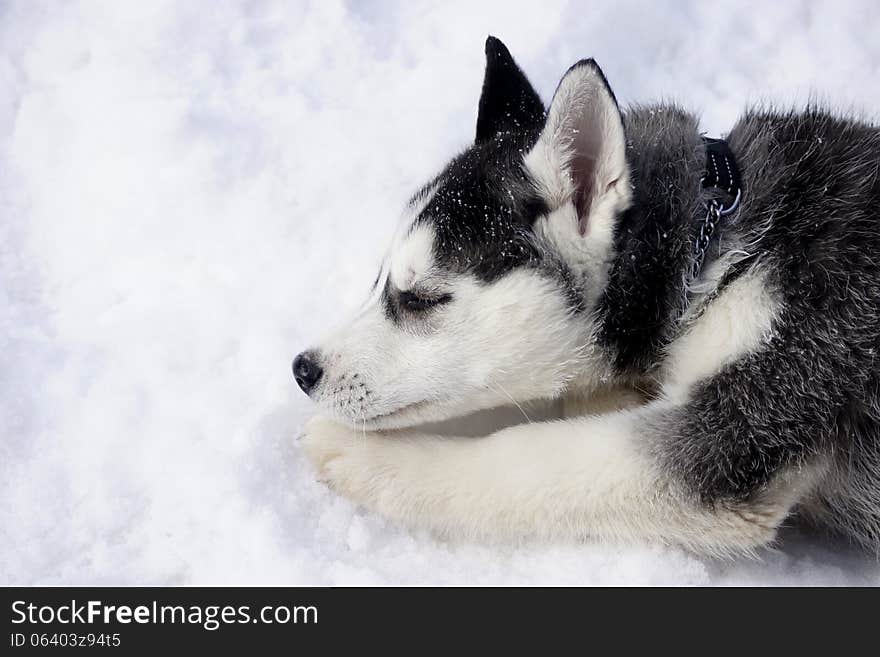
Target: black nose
306 371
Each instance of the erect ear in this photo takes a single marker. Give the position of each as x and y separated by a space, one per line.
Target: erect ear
508 101
580 157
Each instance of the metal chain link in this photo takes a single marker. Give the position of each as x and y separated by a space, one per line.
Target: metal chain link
707 229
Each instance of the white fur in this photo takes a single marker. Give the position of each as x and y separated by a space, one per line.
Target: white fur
411 211
413 259
738 322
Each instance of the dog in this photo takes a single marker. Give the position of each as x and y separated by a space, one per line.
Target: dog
581 248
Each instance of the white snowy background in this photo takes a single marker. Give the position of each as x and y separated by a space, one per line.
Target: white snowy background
191 192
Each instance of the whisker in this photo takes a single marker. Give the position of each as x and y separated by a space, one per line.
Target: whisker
513 401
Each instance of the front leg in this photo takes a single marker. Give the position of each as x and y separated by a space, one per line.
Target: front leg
588 477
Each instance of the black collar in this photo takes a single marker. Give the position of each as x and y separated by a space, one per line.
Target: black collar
722 186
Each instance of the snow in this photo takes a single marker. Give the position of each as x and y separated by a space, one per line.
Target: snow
190 192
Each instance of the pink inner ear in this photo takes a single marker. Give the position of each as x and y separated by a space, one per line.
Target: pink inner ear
583 173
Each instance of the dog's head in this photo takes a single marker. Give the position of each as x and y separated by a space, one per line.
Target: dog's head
487 294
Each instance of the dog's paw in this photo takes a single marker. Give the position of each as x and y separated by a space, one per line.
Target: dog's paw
391 474
352 462
323 441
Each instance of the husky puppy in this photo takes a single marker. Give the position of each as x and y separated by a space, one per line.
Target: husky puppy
566 251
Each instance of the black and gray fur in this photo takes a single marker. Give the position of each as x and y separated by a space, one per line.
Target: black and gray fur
811 219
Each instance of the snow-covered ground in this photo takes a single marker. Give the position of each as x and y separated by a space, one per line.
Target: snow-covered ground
190 192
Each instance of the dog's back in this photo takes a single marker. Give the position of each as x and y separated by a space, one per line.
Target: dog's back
812 218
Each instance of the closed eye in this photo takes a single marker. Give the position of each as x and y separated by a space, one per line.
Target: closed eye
415 302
